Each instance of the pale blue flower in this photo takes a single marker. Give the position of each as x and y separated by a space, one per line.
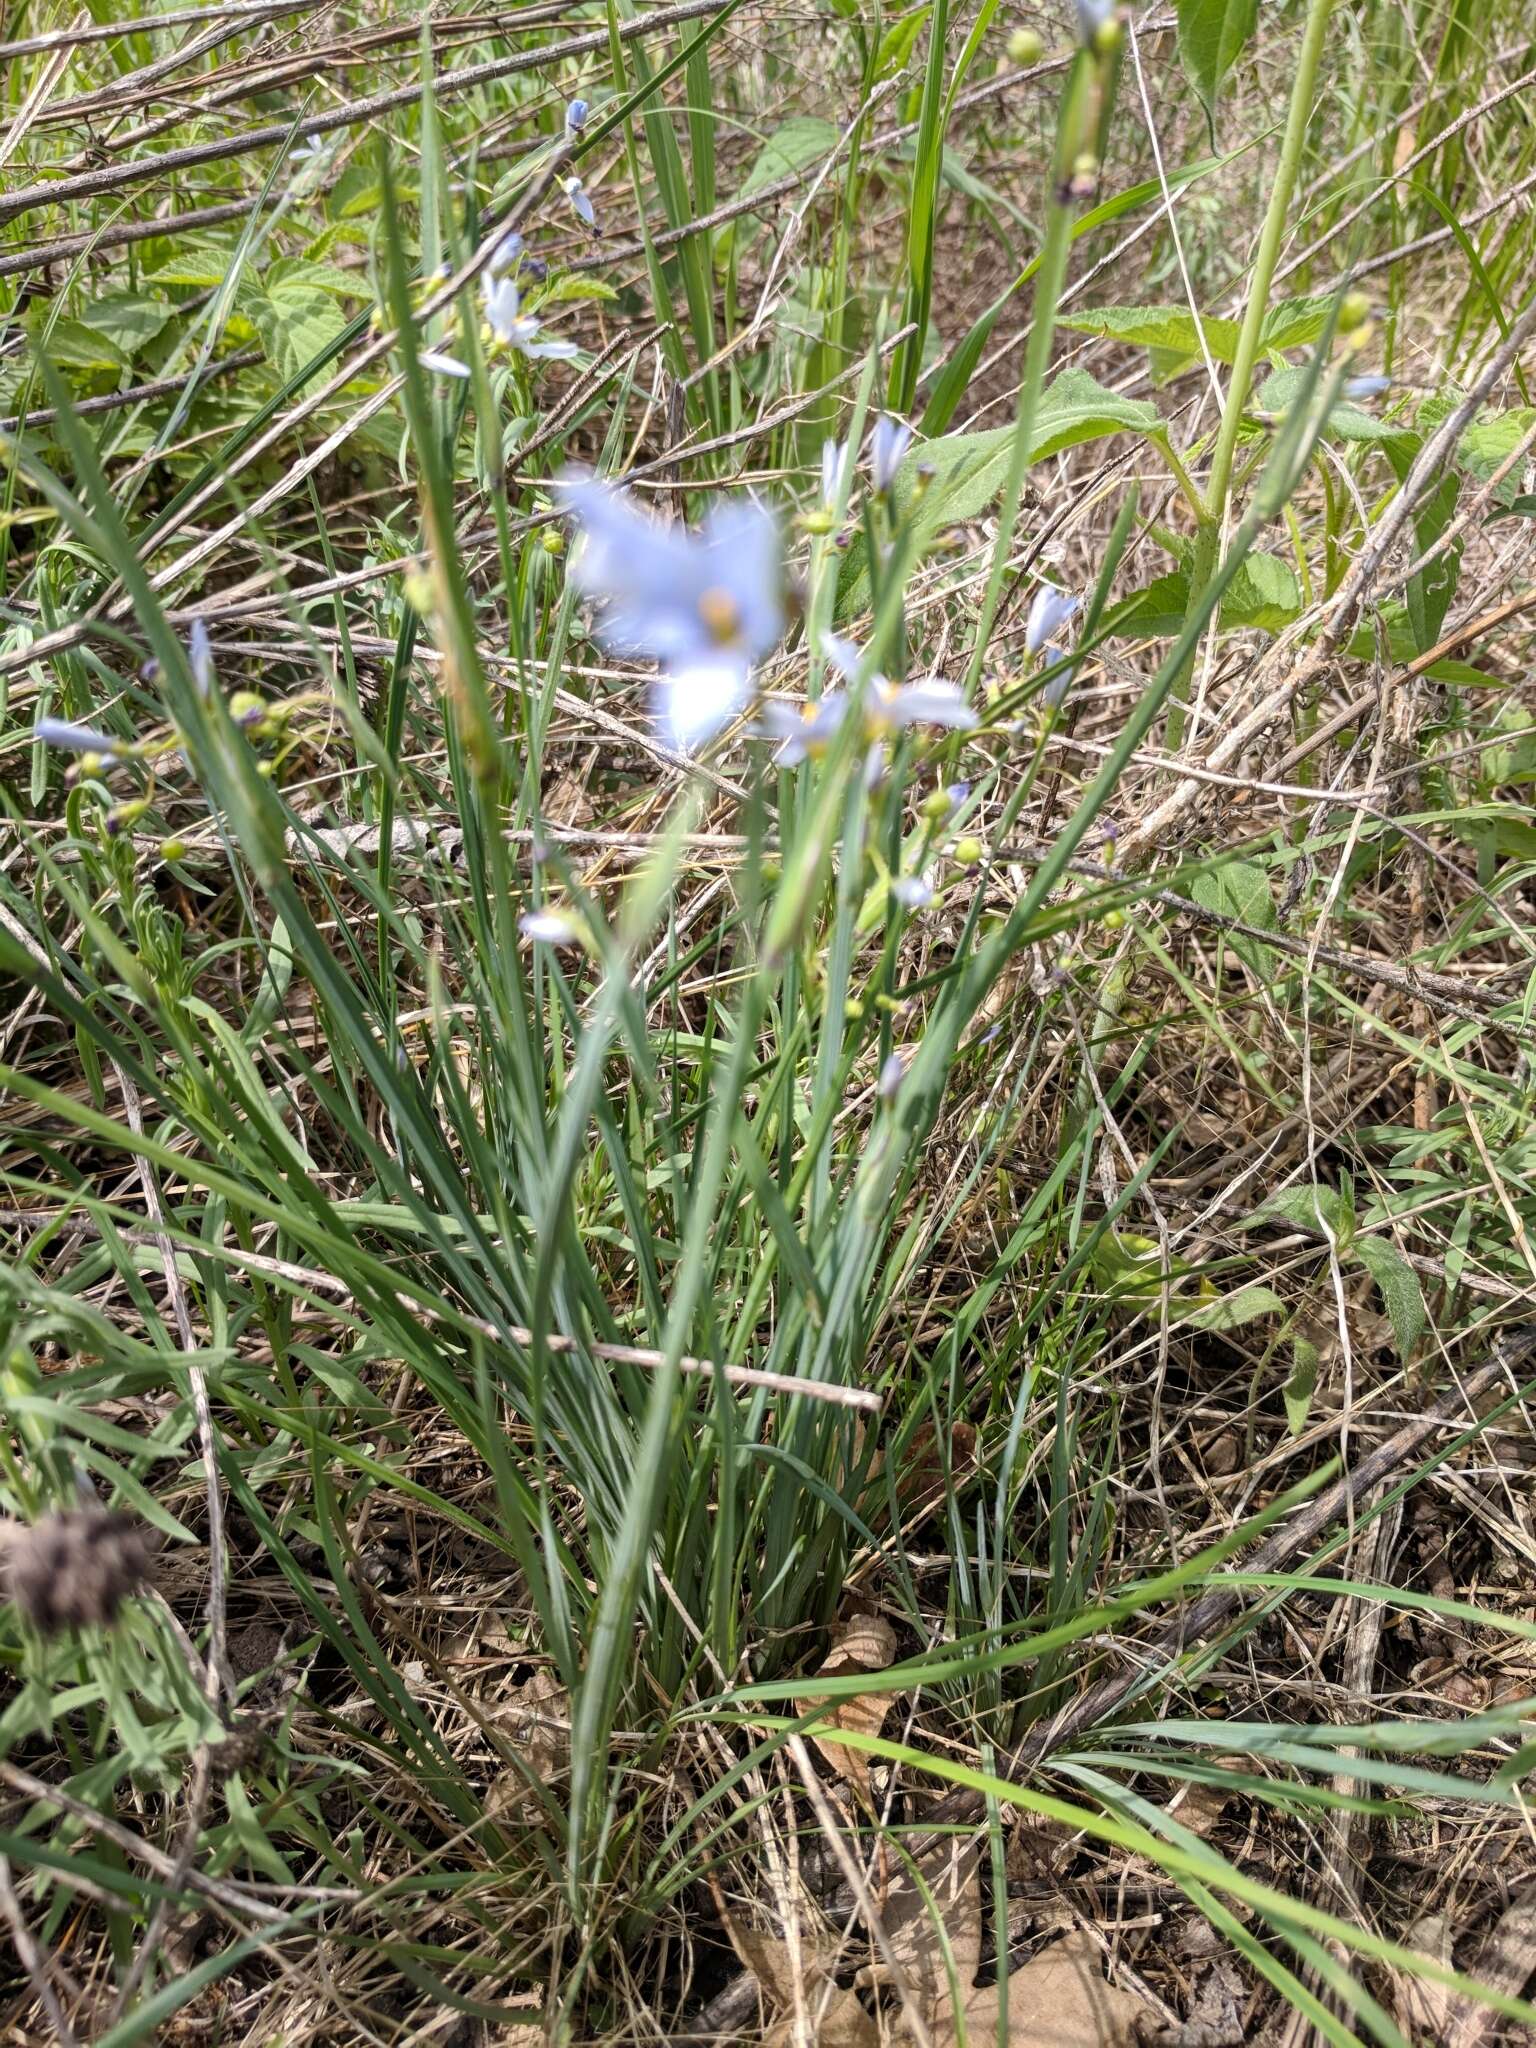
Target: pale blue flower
706 606
308 150
834 458
1366 387
1092 15
549 928
804 731
444 365
1055 691
516 329
76 739
575 119
1047 615
507 254
200 653
892 1074
912 892
888 442
576 192
887 706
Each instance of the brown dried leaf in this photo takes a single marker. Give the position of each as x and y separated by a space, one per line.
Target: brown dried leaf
1059 1999
1426 2009
865 1643
833 2018
1199 1806
536 1718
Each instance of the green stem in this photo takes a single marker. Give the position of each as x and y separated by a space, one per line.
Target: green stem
1049 280
1219 482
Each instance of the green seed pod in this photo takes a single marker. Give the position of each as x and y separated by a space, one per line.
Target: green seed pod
968 852
1025 47
173 849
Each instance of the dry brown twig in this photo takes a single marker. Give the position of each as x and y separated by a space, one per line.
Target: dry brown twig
724 2017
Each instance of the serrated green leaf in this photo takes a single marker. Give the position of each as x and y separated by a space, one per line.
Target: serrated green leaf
1167 329
1264 593
1233 1310
1298 1389
1211 36
293 275
295 326
72 345
1400 1289
1303 1205
1488 444
565 288
1295 323
194 262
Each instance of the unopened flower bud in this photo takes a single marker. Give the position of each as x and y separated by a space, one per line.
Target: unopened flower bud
173 849
123 816
968 852
1354 310
1025 47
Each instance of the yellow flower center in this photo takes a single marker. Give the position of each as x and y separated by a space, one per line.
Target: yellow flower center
720 614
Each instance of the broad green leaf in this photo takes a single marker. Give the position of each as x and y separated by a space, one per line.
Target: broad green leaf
1346 422
1298 1389
1488 444
194 261
1166 328
1211 36
897 42
1303 1205
73 346
295 326
1233 1310
1430 591
1295 323
292 276
1400 1289
790 148
566 287
130 320
1240 888
960 474
1263 593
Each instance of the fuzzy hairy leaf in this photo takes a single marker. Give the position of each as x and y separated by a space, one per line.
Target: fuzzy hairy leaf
1400 1289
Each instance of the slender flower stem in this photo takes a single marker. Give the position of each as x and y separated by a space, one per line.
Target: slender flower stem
1219 482
1048 286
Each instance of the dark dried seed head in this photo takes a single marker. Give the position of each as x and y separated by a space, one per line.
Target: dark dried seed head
77 1567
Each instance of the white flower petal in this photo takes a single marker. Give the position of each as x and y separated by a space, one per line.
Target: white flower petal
445 366
695 703
1048 613
549 928
931 702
